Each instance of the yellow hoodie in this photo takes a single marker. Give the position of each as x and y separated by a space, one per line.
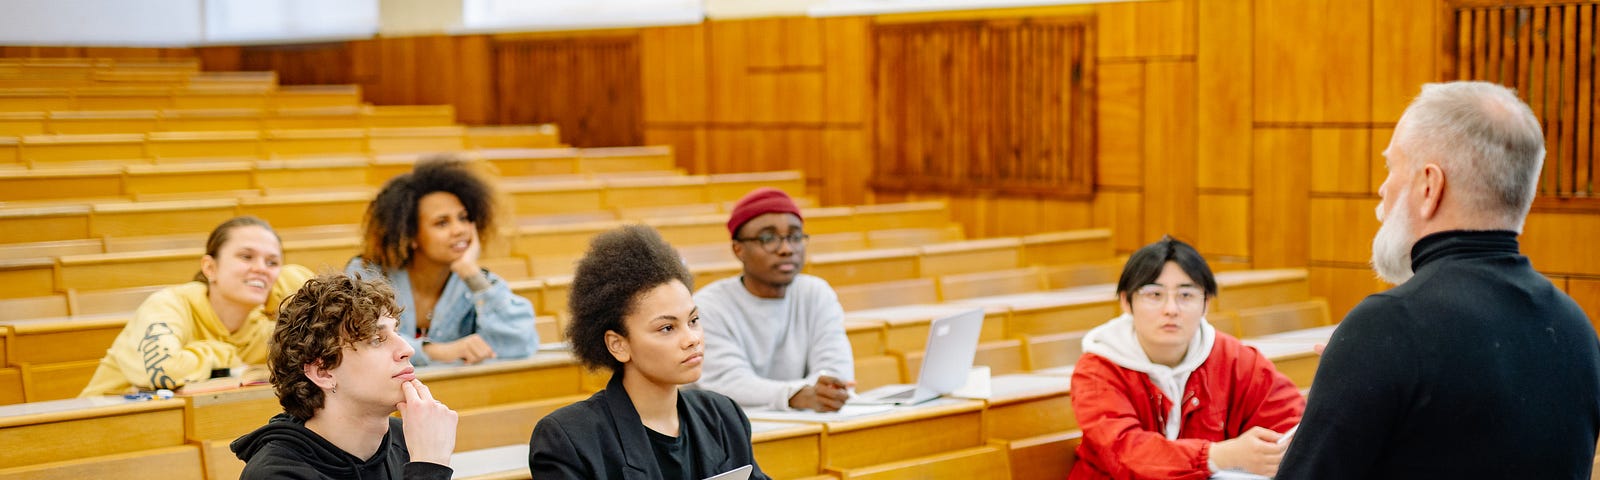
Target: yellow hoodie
175 338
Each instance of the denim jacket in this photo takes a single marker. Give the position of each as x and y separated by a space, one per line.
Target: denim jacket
505 320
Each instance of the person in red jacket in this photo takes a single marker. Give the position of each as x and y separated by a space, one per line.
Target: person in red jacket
1159 393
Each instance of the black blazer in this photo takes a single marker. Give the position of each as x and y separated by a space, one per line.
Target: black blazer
603 438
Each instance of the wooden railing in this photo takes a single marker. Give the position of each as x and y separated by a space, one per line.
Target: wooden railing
999 106
1545 50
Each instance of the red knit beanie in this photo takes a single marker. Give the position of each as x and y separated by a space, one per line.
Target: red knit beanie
758 202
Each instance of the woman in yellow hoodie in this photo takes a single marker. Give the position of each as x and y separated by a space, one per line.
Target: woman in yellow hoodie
220 320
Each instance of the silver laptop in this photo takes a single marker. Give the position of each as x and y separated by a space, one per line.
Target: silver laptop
952 342
741 473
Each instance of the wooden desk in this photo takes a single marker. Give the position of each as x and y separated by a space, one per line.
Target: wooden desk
787 450
79 428
509 462
936 427
1032 416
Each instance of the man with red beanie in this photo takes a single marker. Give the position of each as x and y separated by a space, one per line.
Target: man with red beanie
774 337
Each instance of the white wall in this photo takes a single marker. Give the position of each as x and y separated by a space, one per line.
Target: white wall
173 23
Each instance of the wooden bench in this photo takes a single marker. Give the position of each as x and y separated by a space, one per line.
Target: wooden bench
990 283
45 433
514 136
613 159
44 184
1283 317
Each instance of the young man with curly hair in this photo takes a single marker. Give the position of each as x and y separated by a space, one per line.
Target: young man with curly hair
632 314
340 368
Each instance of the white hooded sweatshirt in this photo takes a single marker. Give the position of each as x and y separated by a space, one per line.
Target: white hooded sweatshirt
1116 341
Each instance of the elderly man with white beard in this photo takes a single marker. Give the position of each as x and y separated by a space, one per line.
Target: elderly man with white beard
1473 365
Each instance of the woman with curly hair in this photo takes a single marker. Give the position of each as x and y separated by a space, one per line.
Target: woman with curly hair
424 234
340 367
220 320
632 314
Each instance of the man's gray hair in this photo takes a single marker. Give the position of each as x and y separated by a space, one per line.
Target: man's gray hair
1487 141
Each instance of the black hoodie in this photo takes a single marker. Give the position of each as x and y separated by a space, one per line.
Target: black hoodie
285 448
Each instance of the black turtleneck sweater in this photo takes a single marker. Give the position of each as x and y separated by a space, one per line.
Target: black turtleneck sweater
1477 367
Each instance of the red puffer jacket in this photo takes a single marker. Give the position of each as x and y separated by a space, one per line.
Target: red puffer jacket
1122 413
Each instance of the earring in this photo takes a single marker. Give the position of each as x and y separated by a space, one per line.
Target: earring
335 388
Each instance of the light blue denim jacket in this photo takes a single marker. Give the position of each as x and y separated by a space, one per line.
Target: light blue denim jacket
505 320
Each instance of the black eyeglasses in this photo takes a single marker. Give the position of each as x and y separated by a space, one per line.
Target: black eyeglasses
769 241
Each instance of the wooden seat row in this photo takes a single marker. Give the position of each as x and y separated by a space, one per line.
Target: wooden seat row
28 231
557 169
92 122
207 95
42 151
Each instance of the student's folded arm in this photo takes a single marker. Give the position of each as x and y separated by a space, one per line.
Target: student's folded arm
727 371
551 454
506 320
1111 428
156 351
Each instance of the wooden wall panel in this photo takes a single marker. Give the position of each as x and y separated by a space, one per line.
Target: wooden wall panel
755 77
1163 28
302 64
1279 201
22 51
219 59
1224 64
1378 171
1225 225
673 70
1341 229
1344 287
1313 61
846 72
847 166
688 145
1123 213
1121 121
1169 147
1339 162
1405 46
589 86
1550 240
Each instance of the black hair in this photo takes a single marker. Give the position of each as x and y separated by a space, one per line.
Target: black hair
391 219
621 265
1144 266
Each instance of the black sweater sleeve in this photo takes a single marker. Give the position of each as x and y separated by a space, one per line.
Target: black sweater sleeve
427 471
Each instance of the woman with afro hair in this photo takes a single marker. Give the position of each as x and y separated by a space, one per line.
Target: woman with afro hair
633 315
424 233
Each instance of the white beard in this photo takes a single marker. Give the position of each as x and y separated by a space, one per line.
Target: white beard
1391 247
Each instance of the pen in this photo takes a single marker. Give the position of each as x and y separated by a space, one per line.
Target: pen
1285 438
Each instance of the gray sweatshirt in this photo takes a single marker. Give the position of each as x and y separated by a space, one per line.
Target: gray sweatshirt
761 351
